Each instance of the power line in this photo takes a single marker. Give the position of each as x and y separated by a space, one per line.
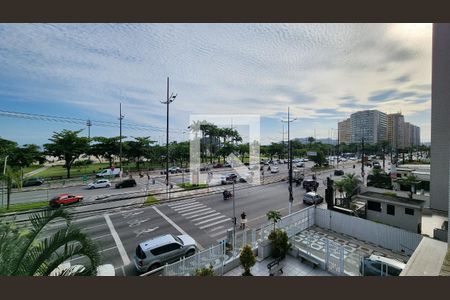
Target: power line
72 120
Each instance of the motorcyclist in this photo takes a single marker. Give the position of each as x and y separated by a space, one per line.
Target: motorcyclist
226 194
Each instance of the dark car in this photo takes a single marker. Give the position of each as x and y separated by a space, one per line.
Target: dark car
376 165
30 182
64 199
218 166
312 198
229 178
338 172
126 183
310 184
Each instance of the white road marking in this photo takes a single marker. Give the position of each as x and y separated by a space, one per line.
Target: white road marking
129 214
117 240
201 218
191 208
193 212
108 249
184 204
174 225
140 232
218 222
180 202
218 233
201 214
100 237
212 219
216 228
134 223
187 207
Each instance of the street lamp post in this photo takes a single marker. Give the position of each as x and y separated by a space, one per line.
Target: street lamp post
291 198
169 100
4 172
120 140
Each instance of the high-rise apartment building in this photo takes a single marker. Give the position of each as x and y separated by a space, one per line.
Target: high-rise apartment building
372 124
416 140
408 130
345 131
395 130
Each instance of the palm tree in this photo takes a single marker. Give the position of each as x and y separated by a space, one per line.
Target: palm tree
310 141
351 182
274 216
25 253
339 185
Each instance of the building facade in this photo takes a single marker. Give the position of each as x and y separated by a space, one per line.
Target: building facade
372 124
345 131
395 130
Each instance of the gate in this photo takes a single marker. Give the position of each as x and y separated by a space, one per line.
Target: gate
334 259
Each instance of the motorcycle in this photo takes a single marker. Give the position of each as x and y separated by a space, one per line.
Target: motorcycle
226 195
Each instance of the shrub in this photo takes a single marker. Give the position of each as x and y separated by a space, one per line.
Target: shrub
280 243
205 271
247 259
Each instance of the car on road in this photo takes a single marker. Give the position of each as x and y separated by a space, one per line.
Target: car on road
300 165
216 166
274 170
64 199
376 165
101 183
229 178
126 183
310 184
163 249
338 172
305 160
376 265
312 198
248 177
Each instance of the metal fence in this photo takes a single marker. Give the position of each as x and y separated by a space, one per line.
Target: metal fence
292 224
214 256
242 238
383 235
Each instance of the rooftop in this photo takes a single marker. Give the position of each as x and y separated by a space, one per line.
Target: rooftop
395 199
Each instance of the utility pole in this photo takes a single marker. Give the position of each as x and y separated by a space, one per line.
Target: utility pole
291 198
362 151
169 100
120 140
89 124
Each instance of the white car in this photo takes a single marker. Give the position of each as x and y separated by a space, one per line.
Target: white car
101 183
305 160
274 170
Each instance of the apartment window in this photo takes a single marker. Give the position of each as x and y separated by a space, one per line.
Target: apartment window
391 209
409 211
375 206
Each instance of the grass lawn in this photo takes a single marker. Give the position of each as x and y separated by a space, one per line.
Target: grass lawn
74 171
24 206
31 168
190 186
321 168
150 200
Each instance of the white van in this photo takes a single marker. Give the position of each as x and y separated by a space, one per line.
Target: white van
109 172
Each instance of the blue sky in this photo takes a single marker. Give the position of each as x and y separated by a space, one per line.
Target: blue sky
323 72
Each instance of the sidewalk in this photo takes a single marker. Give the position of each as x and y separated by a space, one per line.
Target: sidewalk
292 267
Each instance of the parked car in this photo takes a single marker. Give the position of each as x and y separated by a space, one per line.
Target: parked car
64 199
109 172
217 166
312 198
30 182
229 178
300 165
310 184
376 165
163 249
226 165
100 183
375 265
126 183
174 170
338 172
274 169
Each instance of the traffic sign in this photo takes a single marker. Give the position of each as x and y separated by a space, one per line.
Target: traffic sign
311 153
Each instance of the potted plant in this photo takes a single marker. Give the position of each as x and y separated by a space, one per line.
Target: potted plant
247 259
280 243
205 271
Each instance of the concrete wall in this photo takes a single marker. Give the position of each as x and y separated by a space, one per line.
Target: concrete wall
440 121
400 219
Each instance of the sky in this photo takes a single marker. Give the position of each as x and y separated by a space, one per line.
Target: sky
323 72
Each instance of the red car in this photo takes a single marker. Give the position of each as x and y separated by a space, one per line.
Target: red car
64 199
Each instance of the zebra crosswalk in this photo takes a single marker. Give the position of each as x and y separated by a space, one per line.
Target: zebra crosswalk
202 216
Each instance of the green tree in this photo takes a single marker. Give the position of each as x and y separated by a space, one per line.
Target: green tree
67 145
349 183
247 259
319 158
205 271
106 148
243 150
26 253
273 216
179 152
137 149
310 141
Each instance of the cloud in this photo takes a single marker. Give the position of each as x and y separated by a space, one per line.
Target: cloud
215 68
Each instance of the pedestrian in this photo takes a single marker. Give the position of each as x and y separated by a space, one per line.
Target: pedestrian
243 220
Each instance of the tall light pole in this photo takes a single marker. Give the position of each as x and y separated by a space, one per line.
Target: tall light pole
169 100
120 139
362 155
4 172
89 124
291 198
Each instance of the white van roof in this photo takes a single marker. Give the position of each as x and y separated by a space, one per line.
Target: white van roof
388 261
